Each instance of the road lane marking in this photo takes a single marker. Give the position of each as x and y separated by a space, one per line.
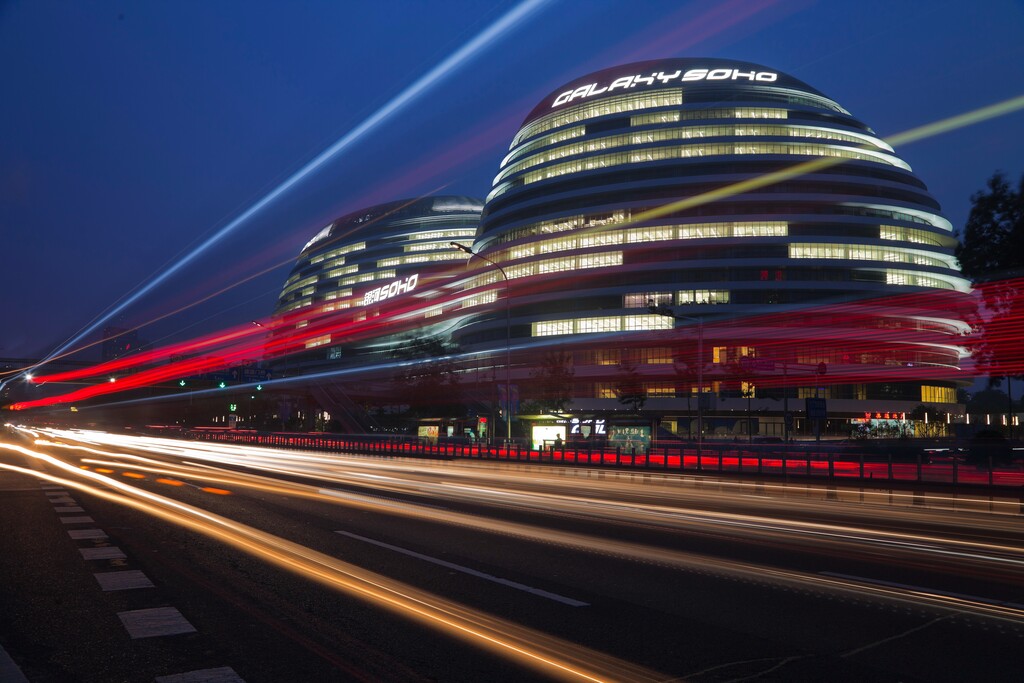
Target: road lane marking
68 508
222 674
472 572
109 553
123 580
156 621
81 519
87 534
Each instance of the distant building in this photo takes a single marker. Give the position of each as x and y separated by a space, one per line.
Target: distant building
119 342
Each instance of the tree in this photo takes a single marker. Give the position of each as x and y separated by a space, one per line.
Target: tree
551 385
629 386
427 380
991 253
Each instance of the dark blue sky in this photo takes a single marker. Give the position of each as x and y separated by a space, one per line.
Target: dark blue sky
133 131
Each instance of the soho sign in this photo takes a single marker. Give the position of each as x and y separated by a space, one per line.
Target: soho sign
627 82
394 289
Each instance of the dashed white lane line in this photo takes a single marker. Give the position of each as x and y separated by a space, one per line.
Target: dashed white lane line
222 674
123 580
87 534
53 487
109 553
57 491
68 508
156 621
81 519
64 500
472 572
9 671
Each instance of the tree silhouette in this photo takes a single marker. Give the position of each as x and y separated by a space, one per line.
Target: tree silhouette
991 253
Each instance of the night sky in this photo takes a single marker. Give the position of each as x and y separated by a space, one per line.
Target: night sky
131 132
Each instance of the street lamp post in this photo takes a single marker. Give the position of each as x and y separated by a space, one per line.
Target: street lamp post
662 309
508 336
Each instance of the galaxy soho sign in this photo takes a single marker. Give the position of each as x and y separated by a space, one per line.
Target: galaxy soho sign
391 290
627 82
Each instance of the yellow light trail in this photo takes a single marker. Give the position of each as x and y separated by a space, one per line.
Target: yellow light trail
548 654
674 517
919 133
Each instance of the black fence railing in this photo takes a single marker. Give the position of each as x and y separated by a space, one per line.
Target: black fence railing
878 463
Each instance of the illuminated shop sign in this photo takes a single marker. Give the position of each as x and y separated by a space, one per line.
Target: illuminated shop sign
391 290
882 415
586 427
627 82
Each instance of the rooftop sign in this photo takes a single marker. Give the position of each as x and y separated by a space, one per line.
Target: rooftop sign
663 78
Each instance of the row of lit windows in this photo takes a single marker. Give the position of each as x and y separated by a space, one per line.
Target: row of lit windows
318 341
694 151
645 234
912 279
337 294
296 305
860 252
368 277
356 246
450 255
938 394
434 246
736 113
552 139
480 299
902 234
298 284
339 272
608 105
442 234
688 133
685 297
616 323
650 119
655 355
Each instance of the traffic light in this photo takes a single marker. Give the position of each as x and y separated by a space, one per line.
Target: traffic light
233 407
181 382
222 384
259 387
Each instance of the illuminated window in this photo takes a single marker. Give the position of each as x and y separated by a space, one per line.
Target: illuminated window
931 394
338 272
650 234
595 325
432 312
612 258
318 341
703 230
643 299
484 298
552 327
605 390
703 296
637 323
608 105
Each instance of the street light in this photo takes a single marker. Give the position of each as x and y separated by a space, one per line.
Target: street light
508 336
663 309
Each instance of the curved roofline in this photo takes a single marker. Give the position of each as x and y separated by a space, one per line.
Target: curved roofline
673 71
401 208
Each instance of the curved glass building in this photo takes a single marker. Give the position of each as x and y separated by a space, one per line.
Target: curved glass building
390 258
647 205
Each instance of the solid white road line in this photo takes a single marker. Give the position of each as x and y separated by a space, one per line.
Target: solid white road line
472 572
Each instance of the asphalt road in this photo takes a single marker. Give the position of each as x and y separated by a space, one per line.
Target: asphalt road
272 565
